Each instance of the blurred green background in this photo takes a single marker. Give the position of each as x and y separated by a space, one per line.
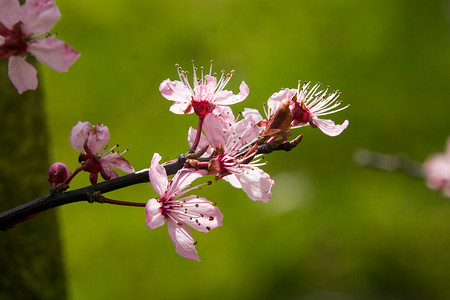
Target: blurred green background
333 230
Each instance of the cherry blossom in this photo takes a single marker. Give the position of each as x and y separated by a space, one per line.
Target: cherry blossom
437 171
236 158
24 30
91 141
307 105
206 96
197 212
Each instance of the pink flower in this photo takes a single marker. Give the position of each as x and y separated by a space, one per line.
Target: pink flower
206 96
91 141
437 171
198 213
235 151
307 105
24 29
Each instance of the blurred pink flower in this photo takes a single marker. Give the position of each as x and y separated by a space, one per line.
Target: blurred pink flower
437 171
235 161
206 96
91 141
24 29
198 213
307 105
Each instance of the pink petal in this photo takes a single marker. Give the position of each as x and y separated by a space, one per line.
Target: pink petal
250 113
275 100
9 13
211 84
213 127
22 74
256 183
329 127
226 115
98 137
79 135
227 97
244 131
175 91
158 175
209 215
154 217
232 179
183 179
115 160
180 108
108 174
39 16
182 238
54 53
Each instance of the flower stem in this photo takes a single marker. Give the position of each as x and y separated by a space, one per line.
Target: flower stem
117 202
197 136
77 170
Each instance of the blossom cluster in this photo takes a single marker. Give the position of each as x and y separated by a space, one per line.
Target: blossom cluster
223 145
227 147
24 30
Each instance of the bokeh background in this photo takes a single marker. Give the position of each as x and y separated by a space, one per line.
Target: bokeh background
333 230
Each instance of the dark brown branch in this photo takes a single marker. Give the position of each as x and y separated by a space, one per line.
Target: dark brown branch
59 197
13 216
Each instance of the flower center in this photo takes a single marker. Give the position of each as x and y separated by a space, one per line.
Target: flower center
300 113
13 41
202 107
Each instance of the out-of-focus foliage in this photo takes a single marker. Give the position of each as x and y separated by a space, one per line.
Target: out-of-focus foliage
333 230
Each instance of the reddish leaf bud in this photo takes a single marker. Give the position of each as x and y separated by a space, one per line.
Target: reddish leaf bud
58 173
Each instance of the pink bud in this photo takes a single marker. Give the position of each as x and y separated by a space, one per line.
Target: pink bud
58 173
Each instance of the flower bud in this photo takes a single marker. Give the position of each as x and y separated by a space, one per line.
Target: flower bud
58 173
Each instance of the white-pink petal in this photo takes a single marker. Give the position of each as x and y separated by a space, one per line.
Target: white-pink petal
329 127
22 74
39 16
275 100
182 179
209 215
182 238
79 135
54 53
158 175
97 137
154 217
179 108
213 127
115 160
228 98
253 114
175 91
256 183
108 174
9 13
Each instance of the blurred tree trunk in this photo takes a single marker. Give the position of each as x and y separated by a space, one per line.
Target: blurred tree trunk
30 254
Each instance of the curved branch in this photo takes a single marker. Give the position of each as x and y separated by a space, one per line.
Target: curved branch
23 212
26 211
